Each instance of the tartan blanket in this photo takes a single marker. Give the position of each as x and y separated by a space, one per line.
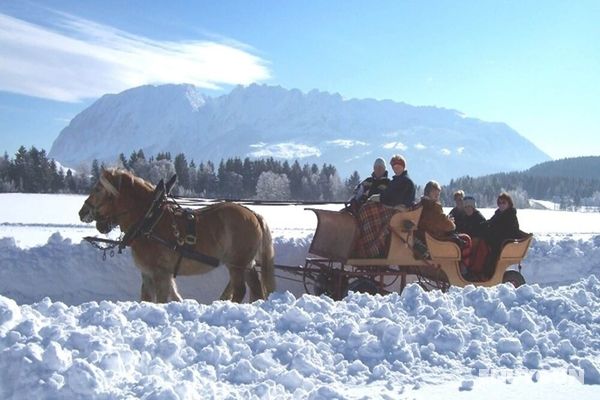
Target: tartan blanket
373 222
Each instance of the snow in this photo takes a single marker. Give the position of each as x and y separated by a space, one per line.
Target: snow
70 326
414 345
543 204
315 127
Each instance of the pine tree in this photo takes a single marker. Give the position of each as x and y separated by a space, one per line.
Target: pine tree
70 182
182 171
351 183
122 161
95 172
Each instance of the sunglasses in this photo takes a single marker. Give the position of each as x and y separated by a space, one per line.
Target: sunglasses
502 202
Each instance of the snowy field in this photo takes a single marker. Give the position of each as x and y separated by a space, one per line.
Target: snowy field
70 326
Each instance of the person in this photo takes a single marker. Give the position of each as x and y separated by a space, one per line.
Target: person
502 226
473 223
401 190
458 212
375 184
433 220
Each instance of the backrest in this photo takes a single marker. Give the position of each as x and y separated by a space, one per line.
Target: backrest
406 221
515 249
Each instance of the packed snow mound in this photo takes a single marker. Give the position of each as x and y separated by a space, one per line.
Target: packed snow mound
307 347
74 273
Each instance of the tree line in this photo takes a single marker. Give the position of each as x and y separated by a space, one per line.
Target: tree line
566 191
31 171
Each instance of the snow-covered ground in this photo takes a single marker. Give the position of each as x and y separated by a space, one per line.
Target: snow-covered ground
532 341
70 326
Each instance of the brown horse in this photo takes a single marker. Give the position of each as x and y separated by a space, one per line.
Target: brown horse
233 234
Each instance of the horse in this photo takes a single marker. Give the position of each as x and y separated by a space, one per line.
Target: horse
235 235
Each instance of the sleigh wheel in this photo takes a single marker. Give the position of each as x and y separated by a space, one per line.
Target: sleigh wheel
513 277
362 285
317 283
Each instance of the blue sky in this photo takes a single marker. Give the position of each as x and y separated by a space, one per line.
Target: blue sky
534 65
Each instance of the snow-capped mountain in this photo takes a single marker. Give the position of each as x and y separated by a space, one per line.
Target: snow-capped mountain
263 121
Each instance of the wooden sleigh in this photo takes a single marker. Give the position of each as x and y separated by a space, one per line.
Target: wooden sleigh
330 267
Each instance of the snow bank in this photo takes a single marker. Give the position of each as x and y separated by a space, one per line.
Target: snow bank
74 273
308 347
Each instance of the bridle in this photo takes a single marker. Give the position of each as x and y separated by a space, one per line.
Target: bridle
111 220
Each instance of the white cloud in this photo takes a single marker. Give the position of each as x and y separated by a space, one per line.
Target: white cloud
460 150
346 143
420 146
77 59
357 157
258 145
445 152
286 150
395 146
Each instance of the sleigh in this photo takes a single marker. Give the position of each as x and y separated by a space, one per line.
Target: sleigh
331 268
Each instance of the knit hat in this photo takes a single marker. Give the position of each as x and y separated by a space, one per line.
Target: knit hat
398 159
379 162
469 201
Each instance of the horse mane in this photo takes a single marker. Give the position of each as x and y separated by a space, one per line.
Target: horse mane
123 178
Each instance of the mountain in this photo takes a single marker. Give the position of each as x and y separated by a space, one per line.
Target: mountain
264 121
577 167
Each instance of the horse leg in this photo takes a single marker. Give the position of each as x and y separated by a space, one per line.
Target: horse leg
237 280
164 287
148 288
175 296
227 292
256 290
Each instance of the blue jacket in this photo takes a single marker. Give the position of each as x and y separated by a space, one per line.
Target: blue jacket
401 190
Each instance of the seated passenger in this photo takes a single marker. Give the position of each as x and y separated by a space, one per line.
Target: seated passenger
375 184
502 226
473 223
433 220
401 190
458 212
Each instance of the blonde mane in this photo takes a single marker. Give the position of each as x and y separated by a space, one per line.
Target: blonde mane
119 176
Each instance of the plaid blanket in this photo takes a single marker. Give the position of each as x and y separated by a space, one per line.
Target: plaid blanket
373 221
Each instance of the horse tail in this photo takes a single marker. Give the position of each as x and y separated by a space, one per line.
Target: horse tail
266 258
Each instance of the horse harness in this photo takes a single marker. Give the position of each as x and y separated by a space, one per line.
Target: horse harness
184 242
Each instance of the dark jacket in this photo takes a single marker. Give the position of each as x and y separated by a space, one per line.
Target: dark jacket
371 186
433 220
456 212
503 225
401 190
473 225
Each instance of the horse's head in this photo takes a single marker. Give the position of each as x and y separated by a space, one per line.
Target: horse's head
102 203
